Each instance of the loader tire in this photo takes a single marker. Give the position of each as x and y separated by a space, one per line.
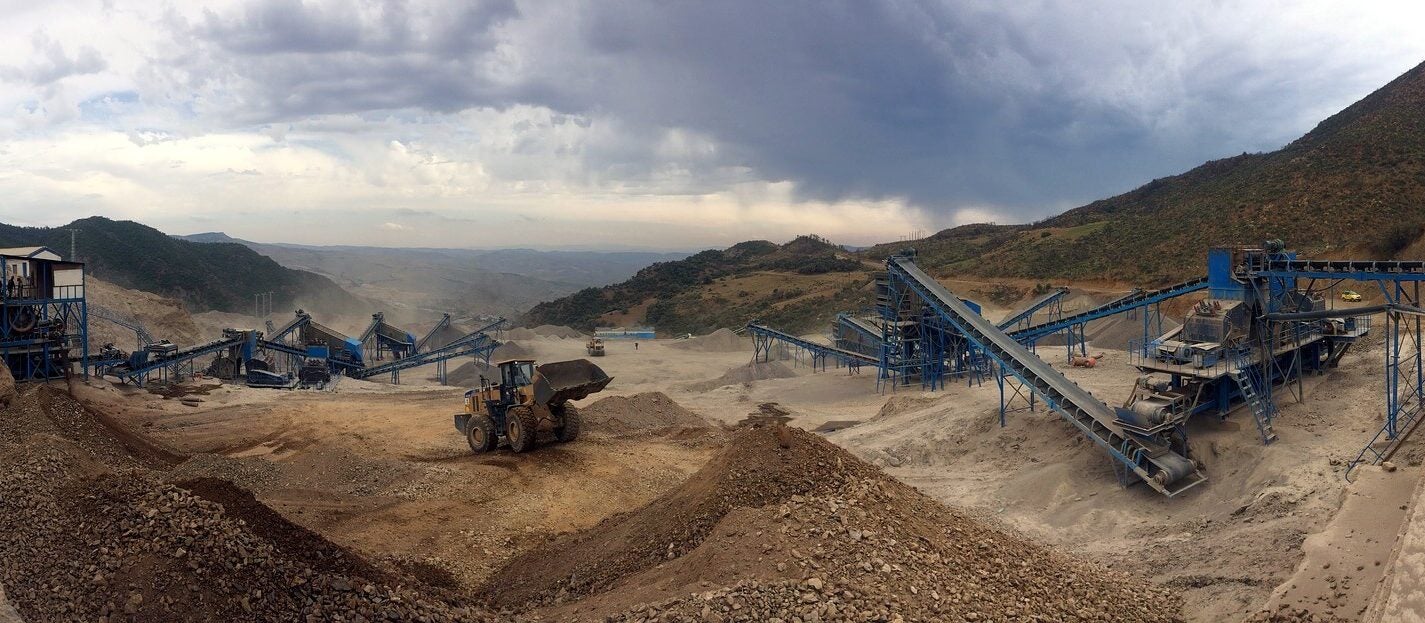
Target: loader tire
480 434
568 429
521 426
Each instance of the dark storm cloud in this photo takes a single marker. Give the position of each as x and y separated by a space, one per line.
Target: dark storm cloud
1024 108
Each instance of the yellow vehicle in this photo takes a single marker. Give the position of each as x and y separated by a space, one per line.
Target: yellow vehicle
525 398
1351 296
595 347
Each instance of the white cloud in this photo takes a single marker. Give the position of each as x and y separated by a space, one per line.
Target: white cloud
395 226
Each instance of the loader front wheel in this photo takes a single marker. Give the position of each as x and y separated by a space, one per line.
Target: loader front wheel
568 429
520 428
480 434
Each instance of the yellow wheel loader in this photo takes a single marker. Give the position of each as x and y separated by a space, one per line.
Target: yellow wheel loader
525 399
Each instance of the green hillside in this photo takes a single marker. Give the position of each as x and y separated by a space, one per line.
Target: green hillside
721 288
203 276
1353 186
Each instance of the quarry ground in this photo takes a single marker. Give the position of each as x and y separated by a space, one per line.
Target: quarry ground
380 468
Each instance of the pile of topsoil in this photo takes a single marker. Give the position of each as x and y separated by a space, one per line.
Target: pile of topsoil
783 525
88 532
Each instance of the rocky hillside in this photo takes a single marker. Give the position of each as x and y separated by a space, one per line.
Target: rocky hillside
1354 186
790 285
202 276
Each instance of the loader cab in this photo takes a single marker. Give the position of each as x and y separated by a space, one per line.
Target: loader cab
515 375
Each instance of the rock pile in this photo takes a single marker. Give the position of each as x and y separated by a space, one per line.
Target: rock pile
646 412
737 375
719 341
85 536
785 526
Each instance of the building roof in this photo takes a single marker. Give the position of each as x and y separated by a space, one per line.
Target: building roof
29 252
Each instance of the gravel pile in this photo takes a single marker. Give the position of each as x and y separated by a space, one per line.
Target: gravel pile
552 330
785 526
737 375
646 412
92 535
719 341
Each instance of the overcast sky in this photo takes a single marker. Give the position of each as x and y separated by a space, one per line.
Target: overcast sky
660 124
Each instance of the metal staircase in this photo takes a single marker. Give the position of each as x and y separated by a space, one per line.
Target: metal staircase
1252 387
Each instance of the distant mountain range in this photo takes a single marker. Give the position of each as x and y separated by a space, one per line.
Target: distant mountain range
503 281
203 276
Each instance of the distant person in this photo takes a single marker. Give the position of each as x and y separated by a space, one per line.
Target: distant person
635 345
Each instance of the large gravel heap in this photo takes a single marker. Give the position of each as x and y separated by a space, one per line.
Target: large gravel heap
88 534
785 526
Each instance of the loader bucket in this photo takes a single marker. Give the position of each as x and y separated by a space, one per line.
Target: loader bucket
562 381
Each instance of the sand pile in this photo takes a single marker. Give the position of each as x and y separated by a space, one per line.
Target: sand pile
88 535
468 374
755 371
550 330
165 318
719 341
521 333
510 350
650 411
785 525
445 335
1118 331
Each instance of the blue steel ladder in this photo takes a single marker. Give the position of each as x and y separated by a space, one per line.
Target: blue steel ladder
1252 387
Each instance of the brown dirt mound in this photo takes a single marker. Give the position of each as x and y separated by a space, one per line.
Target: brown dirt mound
786 525
719 341
644 412
755 371
166 318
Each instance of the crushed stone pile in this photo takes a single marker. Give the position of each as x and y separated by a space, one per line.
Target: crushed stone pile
719 341
649 411
783 525
550 330
521 333
444 336
510 350
89 533
737 375
1118 331
468 374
